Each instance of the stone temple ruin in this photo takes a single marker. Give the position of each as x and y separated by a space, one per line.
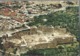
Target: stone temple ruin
37 38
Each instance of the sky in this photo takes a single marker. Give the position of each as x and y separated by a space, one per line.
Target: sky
28 0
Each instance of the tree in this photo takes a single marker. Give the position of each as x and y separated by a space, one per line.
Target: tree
68 20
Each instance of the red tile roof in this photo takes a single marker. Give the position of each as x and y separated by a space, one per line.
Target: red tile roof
7 12
18 19
8 2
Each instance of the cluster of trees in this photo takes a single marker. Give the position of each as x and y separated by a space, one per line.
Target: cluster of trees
60 51
68 19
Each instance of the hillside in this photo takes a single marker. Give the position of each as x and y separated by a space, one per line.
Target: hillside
65 19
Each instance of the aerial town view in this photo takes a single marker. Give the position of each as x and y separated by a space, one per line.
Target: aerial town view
39 28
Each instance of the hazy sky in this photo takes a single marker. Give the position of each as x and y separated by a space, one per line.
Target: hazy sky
32 0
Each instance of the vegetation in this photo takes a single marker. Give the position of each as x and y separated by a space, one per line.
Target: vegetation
16 7
68 19
62 50
65 19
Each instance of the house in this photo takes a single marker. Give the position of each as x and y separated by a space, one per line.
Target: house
18 20
7 12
